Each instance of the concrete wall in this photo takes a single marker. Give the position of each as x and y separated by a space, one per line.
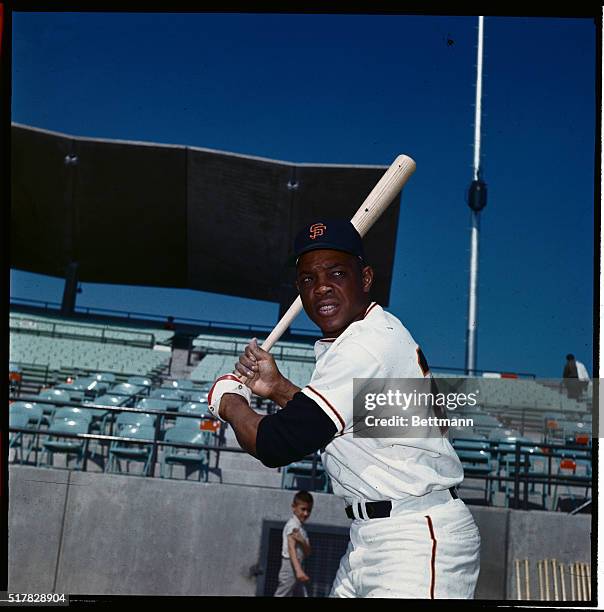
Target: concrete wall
539 535
88 533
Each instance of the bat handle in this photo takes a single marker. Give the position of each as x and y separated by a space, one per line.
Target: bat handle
286 320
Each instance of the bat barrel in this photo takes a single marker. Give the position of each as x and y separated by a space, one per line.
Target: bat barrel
385 190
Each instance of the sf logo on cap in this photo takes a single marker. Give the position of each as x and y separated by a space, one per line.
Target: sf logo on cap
316 230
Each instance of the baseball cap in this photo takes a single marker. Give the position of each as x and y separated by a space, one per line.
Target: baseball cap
336 234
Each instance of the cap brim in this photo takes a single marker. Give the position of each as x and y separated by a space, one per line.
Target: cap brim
293 259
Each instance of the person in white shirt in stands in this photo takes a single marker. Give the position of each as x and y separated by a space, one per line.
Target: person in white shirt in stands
576 377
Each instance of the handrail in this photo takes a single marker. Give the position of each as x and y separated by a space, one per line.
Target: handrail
110 408
162 318
487 371
521 470
518 477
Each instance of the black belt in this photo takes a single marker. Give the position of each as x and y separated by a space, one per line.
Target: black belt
382 509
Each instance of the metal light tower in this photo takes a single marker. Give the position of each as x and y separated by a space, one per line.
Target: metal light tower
477 200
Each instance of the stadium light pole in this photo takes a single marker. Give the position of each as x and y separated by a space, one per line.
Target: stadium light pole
70 289
477 200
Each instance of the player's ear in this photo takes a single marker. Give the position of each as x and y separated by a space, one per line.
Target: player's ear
367 278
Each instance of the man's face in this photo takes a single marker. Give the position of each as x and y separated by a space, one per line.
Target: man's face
302 510
334 288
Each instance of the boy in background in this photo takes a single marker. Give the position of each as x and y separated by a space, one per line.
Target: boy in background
295 547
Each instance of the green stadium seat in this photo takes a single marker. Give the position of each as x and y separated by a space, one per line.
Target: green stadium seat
127 389
191 459
194 408
299 475
141 381
187 423
18 420
136 452
172 397
73 413
55 443
137 419
33 411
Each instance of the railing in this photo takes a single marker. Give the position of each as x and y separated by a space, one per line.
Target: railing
521 465
462 371
110 437
161 318
237 347
217 448
522 477
34 374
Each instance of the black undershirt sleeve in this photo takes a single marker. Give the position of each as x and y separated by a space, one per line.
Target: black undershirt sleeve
294 432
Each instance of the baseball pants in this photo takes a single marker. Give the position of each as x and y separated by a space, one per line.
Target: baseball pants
287 581
423 550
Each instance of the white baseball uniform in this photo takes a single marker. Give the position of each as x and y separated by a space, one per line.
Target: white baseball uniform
429 545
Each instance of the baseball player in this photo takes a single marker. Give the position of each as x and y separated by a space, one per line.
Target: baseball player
411 536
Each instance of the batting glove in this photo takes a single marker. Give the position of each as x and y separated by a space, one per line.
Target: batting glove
228 383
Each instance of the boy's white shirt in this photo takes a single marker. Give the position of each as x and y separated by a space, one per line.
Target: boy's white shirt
293 523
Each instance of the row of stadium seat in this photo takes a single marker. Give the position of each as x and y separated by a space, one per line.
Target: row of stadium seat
191 423
295 361
488 459
522 393
40 323
236 345
127 425
212 366
57 353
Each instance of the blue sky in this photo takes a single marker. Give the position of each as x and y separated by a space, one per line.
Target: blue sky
360 89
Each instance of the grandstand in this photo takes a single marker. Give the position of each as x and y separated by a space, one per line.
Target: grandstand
50 349
218 354
106 365
125 401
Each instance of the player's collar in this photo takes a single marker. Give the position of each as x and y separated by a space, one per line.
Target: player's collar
370 308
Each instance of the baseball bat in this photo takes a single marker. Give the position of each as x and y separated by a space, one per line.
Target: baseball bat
518 587
584 580
368 213
555 579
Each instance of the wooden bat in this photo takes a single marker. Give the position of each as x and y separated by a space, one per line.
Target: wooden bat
368 213
555 579
518 587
